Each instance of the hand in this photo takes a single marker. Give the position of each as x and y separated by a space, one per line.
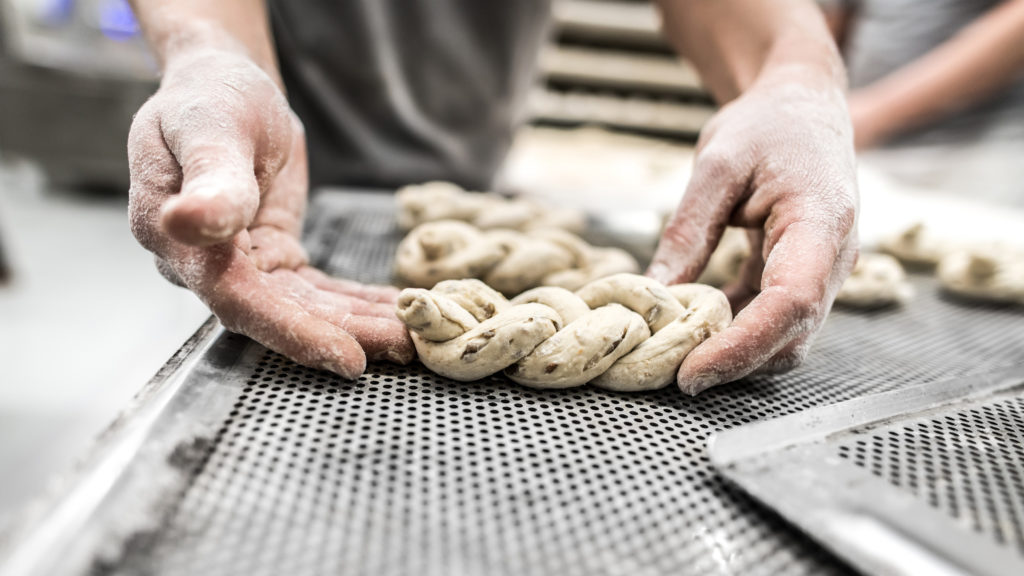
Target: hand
218 190
778 161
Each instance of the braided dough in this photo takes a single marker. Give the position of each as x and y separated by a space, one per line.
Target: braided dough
877 280
994 274
624 332
506 260
435 201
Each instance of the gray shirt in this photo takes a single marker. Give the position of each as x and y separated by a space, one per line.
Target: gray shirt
888 34
399 91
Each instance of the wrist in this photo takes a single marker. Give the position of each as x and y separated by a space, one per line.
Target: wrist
200 40
806 55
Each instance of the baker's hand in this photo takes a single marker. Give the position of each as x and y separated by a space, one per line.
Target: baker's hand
778 161
218 190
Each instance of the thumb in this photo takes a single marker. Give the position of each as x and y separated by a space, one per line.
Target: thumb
700 219
219 193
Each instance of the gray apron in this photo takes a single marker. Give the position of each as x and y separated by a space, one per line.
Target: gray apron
399 91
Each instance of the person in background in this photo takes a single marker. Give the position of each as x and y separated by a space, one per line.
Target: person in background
937 88
387 92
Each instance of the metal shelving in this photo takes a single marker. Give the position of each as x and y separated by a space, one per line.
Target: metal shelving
609 65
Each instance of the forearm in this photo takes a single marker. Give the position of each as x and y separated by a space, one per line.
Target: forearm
176 28
733 43
984 57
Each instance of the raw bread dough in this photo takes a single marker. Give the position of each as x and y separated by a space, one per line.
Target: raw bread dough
727 260
877 280
992 273
435 201
624 332
506 260
917 246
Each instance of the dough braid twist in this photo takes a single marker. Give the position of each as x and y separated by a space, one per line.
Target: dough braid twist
435 201
509 261
624 332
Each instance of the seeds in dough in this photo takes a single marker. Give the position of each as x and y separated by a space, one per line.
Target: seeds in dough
624 332
508 261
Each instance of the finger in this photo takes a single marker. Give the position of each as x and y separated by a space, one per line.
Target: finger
718 183
794 353
797 282
332 304
791 356
374 325
155 176
219 193
284 204
370 292
272 248
249 302
748 284
381 338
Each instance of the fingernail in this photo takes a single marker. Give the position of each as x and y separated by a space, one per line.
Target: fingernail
698 384
221 230
346 372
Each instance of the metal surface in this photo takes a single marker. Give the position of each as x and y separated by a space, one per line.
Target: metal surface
923 480
276 469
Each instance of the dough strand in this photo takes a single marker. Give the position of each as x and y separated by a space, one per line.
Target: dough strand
624 332
508 261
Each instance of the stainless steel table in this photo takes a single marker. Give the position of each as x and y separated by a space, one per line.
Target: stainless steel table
234 460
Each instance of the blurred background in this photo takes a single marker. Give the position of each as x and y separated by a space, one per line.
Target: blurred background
85 319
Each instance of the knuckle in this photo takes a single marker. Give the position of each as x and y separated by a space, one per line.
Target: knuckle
846 213
806 308
714 162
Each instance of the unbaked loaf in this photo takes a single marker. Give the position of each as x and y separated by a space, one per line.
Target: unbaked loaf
624 332
433 201
508 261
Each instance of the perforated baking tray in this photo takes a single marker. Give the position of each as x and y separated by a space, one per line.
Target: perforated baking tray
237 461
923 480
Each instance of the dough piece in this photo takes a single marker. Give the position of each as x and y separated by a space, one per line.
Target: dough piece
877 280
498 341
567 304
654 362
508 261
446 250
993 273
624 332
433 201
582 350
917 246
727 260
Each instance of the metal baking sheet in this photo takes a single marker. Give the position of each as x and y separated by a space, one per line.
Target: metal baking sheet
922 480
236 461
